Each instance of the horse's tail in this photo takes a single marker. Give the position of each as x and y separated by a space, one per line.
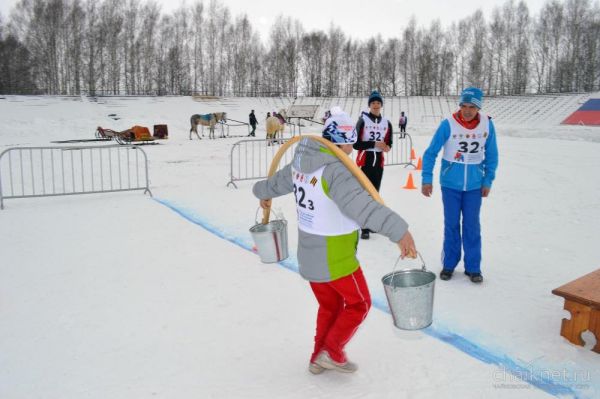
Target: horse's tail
193 119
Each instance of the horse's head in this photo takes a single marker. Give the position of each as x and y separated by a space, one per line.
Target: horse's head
283 112
221 116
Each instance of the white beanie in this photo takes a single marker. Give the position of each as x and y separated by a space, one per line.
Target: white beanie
339 127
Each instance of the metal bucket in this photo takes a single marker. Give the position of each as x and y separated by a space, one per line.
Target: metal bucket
271 240
410 297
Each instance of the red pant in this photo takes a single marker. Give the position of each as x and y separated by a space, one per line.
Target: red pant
343 305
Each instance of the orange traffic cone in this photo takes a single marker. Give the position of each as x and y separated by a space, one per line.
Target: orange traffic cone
420 164
412 154
410 185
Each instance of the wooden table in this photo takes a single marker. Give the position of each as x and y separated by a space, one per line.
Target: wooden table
582 299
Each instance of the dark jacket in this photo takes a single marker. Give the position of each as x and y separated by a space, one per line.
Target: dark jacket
253 120
405 120
365 145
365 156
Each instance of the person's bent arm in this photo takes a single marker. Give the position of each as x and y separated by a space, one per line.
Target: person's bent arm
490 163
429 156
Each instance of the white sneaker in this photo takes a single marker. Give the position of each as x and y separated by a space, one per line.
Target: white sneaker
314 368
325 361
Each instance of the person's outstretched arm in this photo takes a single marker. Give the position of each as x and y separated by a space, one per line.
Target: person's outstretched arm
277 185
356 203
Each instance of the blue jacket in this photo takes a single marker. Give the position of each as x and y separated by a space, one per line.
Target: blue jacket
459 176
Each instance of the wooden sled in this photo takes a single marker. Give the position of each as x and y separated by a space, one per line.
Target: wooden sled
135 134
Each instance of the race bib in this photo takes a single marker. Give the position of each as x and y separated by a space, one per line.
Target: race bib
466 145
374 131
317 213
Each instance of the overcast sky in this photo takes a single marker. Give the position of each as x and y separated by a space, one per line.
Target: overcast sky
360 19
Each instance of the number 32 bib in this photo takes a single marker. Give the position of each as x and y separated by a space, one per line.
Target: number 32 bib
317 213
373 131
464 145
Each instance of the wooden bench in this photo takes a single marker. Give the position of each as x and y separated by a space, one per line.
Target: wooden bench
582 300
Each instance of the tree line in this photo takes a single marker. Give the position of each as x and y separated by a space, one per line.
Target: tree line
130 47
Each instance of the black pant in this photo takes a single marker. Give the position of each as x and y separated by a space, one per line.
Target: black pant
372 168
403 128
253 129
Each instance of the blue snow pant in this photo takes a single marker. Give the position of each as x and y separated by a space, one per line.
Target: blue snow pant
469 204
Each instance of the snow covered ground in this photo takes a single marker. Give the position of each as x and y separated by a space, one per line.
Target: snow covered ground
123 295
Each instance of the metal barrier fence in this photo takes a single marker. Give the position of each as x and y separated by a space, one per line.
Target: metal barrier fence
251 159
401 152
27 172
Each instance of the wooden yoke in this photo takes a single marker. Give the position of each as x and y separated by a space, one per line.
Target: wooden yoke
346 160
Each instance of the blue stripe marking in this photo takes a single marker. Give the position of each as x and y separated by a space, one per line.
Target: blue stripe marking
290 263
540 378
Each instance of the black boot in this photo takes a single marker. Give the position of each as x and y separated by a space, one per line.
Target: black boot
365 234
445 274
475 277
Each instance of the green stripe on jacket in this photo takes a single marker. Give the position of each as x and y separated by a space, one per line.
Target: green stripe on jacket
341 254
341 250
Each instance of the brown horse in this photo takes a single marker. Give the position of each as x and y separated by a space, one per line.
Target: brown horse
209 120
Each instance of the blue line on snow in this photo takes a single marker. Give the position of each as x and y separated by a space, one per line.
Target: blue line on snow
527 374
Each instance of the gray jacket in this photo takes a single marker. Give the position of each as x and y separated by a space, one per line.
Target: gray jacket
328 258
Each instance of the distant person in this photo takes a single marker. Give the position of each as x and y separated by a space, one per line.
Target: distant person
331 205
468 169
374 138
268 115
402 123
253 123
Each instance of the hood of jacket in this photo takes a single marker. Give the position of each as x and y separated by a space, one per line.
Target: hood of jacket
311 155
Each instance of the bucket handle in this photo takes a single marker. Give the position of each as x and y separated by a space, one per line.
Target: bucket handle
423 268
278 215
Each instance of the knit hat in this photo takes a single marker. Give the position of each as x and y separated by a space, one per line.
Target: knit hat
375 96
339 127
471 95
